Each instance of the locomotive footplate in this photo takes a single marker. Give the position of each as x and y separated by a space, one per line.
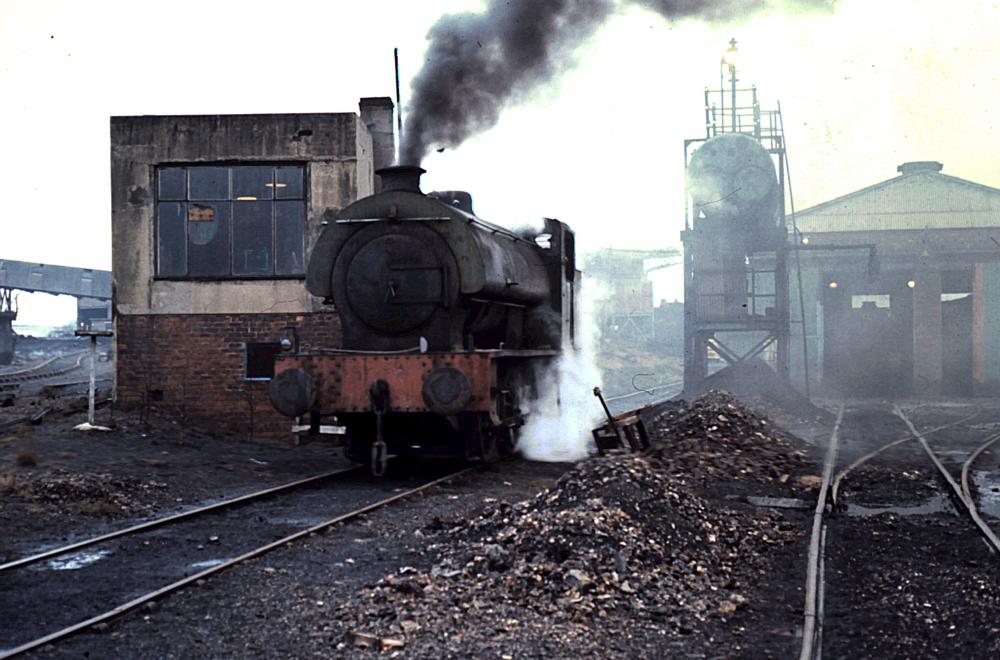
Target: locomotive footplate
442 383
433 404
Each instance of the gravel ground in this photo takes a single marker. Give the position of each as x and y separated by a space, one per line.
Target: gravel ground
655 555
682 564
279 605
57 484
906 576
924 587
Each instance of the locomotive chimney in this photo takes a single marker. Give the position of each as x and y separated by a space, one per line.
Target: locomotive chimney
401 177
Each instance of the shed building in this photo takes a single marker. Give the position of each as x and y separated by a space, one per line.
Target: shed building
213 221
901 287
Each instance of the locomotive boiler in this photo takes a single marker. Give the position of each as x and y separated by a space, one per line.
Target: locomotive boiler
446 320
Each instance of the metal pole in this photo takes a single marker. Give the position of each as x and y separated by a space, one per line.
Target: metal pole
722 93
93 379
732 80
399 108
797 241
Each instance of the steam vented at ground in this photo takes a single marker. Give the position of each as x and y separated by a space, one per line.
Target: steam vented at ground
561 418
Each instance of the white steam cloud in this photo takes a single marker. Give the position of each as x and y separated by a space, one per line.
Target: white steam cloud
561 418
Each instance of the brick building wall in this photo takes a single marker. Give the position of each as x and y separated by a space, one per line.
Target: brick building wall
181 330
191 366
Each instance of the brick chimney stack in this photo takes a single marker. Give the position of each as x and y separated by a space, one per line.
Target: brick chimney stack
376 113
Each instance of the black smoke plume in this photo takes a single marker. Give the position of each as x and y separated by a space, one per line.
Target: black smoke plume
479 63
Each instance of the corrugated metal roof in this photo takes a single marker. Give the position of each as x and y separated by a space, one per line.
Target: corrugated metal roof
924 200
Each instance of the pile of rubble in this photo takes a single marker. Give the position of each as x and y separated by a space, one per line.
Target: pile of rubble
617 557
92 493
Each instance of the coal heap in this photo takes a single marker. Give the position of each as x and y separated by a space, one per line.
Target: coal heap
757 384
715 437
618 551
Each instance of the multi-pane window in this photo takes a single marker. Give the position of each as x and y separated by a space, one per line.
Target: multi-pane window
230 221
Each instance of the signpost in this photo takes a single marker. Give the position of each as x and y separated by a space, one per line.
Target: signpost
93 334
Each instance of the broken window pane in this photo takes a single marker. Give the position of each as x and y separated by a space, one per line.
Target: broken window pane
171 258
208 183
288 182
171 184
253 183
289 222
208 234
252 238
200 233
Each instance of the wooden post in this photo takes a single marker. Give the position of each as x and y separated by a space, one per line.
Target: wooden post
92 392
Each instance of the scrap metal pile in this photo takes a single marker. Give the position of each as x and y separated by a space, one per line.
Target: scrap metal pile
619 555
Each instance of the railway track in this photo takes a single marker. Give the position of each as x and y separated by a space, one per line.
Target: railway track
137 546
11 385
642 397
36 372
831 485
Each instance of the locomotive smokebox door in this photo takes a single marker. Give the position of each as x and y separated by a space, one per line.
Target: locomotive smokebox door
292 392
446 390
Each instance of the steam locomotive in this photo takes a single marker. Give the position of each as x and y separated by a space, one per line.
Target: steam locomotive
446 319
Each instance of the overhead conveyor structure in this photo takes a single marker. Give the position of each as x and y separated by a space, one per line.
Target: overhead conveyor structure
91 288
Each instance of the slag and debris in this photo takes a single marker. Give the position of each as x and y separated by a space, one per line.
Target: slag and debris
619 543
96 494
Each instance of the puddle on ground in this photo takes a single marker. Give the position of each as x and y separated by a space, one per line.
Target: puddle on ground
957 456
208 563
77 560
297 522
987 487
937 504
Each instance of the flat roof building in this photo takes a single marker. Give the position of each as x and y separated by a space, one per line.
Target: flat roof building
213 221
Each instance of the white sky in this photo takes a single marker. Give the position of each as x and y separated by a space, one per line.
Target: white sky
863 88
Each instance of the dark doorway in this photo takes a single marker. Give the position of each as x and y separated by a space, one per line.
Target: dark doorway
868 348
956 354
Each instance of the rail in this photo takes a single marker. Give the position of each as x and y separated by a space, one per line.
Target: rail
192 579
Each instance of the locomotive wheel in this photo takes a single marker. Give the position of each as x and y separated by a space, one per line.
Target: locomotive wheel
507 439
479 438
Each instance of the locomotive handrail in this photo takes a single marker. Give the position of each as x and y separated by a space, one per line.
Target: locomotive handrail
350 351
348 221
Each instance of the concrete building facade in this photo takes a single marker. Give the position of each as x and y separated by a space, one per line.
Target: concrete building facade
901 288
213 221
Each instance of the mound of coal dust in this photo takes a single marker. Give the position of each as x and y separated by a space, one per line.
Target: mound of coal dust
95 494
758 385
617 558
715 438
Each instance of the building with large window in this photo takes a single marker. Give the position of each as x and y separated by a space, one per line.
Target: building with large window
213 219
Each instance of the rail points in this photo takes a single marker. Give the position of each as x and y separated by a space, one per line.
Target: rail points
812 633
